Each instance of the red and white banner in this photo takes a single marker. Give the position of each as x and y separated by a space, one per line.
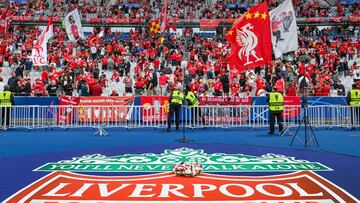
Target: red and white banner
95 109
336 19
39 52
292 106
154 108
66 112
104 109
210 24
354 18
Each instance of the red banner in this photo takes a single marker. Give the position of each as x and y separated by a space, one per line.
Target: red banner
354 18
209 24
20 18
66 113
95 20
111 20
155 108
314 20
292 106
122 20
336 19
109 109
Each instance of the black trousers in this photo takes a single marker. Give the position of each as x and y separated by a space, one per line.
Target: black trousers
278 116
174 108
5 116
355 114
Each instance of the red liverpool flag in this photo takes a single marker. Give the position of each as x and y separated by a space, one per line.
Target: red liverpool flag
250 39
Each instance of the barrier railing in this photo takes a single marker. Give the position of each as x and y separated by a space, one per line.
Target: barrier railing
34 117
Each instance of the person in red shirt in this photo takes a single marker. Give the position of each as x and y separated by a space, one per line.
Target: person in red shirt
163 80
291 90
39 89
115 77
44 76
139 87
194 87
217 87
235 88
96 90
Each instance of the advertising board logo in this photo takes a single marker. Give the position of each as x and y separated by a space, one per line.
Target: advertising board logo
301 186
164 162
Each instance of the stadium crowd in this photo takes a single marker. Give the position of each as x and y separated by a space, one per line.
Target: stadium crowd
185 9
146 65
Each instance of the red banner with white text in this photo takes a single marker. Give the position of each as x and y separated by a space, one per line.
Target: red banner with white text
95 109
292 106
154 108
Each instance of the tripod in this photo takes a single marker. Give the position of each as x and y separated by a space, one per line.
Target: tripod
309 132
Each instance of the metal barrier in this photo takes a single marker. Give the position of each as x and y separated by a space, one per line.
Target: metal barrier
34 117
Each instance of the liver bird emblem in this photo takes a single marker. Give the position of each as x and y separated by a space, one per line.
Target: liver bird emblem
248 42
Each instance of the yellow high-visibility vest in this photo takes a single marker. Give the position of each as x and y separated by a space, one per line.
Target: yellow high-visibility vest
355 98
276 102
5 98
177 97
192 98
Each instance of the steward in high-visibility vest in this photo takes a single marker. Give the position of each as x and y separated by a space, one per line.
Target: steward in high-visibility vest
6 101
353 100
176 101
276 107
276 102
191 99
177 97
354 97
5 98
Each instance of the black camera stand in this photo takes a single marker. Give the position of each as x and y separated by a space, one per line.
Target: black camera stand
309 135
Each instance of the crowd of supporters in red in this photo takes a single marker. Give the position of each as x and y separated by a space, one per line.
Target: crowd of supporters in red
147 65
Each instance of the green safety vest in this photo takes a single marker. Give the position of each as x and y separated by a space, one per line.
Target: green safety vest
192 98
276 102
355 98
177 97
5 98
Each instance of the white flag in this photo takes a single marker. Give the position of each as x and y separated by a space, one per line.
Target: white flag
73 26
284 29
39 51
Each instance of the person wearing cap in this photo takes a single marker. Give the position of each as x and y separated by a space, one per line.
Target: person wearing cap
176 101
6 101
276 107
353 100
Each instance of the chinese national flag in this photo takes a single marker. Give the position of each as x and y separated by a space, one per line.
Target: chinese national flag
250 39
